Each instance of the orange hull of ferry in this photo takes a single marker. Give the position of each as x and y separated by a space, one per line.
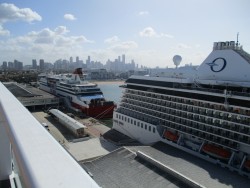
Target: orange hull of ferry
98 112
171 136
216 151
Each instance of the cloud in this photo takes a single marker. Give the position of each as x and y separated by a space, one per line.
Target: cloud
183 46
3 32
112 39
70 17
143 13
124 46
56 37
61 30
9 12
49 44
150 32
45 36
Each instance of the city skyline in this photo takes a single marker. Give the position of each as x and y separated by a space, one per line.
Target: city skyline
117 65
150 33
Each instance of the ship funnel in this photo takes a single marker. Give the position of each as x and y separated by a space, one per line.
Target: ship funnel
78 71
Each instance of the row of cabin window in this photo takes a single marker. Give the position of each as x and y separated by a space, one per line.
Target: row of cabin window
134 122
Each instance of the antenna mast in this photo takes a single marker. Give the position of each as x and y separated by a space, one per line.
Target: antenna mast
237 43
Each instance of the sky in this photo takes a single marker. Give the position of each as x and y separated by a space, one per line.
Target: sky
150 32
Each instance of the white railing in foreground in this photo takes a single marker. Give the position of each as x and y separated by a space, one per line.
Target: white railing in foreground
41 161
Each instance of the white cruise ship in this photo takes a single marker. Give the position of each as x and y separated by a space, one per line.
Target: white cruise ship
81 94
207 114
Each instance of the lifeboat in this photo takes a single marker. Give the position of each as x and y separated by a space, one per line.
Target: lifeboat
247 164
171 136
216 151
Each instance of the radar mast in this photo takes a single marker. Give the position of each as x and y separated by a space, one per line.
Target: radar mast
237 43
177 60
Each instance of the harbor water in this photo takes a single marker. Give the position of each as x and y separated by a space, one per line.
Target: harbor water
113 92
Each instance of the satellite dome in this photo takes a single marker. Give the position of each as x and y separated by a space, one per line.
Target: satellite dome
177 60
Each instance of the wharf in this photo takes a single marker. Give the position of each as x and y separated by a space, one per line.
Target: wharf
82 149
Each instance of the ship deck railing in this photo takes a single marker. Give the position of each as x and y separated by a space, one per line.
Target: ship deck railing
30 156
217 108
173 117
197 115
243 94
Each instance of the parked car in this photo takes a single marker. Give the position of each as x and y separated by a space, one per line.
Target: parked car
46 126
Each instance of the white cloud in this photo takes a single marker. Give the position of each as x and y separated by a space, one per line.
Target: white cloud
56 37
61 30
124 46
9 12
45 36
142 13
183 46
150 32
47 44
69 17
112 39
3 32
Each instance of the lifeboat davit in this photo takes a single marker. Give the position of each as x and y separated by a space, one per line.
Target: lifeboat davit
171 136
216 151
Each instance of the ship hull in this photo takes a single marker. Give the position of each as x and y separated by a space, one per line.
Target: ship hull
206 109
98 112
104 111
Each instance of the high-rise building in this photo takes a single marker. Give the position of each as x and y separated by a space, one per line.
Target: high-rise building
15 64
41 64
10 65
88 62
18 65
34 64
71 60
77 59
123 58
5 65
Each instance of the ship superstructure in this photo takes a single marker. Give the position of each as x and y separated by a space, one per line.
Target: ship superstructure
207 114
79 93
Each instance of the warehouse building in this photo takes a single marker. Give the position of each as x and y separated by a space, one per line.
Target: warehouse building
71 124
31 97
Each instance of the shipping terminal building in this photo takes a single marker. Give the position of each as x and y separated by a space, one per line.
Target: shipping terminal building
31 97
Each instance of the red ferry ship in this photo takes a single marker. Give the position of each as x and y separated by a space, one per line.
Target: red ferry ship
78 93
